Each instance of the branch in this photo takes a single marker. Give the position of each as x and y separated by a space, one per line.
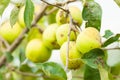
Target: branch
70 29
4 42
111 48
54 5
21 36
51 11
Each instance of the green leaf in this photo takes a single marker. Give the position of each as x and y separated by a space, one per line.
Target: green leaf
22 54
25 68
3 5
117 2
93 58
9 56
14 15
1 76
53 71
108 33
111 40
28 13
91 73
92 14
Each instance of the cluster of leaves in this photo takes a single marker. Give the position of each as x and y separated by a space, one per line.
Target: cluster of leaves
94 60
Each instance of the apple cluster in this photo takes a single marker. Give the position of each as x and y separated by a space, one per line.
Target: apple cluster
55 36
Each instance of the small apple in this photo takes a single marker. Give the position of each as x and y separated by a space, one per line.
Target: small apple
10 33
88 39
74 55
49 37
76 14
34 33
62 17
37 52
62 34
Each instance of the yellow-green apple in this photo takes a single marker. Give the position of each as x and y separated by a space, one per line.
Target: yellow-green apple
62 34
37 52
10 33
34 33
74 55
62 17
88 39
76 14
49 36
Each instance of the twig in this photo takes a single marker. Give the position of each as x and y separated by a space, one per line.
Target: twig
51 11
21 37
4 42
70 29
111 48
54 5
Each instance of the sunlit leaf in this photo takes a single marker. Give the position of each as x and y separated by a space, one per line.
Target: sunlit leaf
93 58
92 14
14 16
111 40
91 73
28 14
108 33
3 5
53 71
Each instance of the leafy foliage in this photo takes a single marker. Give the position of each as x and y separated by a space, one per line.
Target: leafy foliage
28 14
111 40
93 57
53 71
92 14
108 33
91 73
14 16
117 2
3 5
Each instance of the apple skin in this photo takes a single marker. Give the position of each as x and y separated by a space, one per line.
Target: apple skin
37 52
88 39
62 34
74 55
34 33
49 37
10 33
61 17
76 14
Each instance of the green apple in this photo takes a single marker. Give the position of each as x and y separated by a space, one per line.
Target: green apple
76 14
74 55
61 17
34 33
49 37
10 33
37 52
62 34
88 39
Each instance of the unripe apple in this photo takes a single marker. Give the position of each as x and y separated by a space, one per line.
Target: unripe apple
34 33
76 14
62 34
74 55
62 17
88 39
37 52
10 33
49 36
